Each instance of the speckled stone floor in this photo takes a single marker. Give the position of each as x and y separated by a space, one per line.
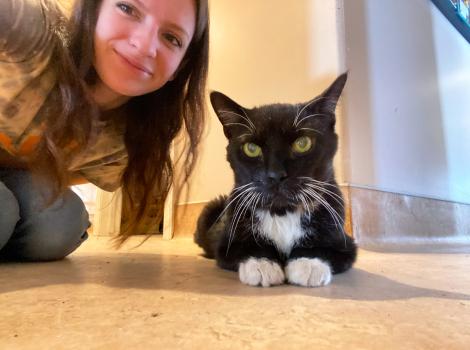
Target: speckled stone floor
164 295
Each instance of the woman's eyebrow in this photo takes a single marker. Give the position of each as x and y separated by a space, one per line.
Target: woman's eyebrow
176 27
141 4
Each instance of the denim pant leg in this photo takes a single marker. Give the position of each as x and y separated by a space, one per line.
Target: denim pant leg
43 233
9 214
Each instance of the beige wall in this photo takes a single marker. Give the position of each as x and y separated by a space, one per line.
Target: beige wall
265 51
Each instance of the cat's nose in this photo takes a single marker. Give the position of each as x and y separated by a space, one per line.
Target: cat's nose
276 177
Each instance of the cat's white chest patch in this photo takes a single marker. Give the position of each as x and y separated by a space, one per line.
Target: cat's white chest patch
284 231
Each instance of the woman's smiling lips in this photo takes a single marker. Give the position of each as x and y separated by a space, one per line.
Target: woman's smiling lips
134 63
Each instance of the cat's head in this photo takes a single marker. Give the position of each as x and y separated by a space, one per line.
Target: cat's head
278 149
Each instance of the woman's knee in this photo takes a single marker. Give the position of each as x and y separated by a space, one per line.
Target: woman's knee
9 214
55 232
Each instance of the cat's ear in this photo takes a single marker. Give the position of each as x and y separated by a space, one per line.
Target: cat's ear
329 98
230 113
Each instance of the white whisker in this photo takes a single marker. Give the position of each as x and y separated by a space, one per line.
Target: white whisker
253 211
240 209
241 124
242 136
310 129
310 179
334 215
338 220
308 104
237 196
305 204
242 186
310 201
319 185
248 119
337 198
308 116
250 125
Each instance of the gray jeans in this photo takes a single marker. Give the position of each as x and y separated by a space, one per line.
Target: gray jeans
29 230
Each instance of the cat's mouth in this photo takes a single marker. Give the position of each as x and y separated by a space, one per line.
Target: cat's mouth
280 203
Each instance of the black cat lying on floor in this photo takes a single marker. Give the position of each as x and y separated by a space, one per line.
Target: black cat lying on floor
284 218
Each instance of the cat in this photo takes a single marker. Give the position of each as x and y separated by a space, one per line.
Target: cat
283 221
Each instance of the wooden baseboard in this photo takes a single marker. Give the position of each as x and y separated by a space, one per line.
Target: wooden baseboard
186 216
107 216
373 217
347 209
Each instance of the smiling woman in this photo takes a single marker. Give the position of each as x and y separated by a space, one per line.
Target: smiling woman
144 43
97 97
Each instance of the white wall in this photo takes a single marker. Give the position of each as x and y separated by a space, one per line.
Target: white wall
264 51
408 100
453 69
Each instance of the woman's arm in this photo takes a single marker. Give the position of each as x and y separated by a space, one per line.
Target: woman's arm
24 28
77 179
9 161
25 48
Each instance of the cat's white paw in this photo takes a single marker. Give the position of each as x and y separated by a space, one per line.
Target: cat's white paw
308 272
264 272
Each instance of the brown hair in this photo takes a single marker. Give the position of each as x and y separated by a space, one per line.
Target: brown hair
162 114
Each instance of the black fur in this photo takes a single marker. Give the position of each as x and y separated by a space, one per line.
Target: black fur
277 176
207 218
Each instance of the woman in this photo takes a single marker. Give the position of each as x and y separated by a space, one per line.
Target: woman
96 98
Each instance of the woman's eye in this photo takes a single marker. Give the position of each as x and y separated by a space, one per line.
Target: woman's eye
302 144
173 40
126 8
252 150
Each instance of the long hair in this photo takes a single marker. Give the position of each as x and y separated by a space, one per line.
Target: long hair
67 131
152 120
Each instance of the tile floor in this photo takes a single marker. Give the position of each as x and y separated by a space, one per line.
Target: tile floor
164 295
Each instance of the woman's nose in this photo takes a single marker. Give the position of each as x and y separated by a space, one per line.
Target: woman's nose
145 40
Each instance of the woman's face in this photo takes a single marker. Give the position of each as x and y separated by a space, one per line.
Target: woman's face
139 44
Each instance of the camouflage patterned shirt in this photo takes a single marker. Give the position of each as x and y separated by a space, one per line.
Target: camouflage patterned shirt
26 80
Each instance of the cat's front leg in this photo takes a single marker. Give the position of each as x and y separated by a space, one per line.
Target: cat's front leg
314 267
308 272
261 272
256 265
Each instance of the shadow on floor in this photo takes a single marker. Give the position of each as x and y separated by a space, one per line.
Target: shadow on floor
194 274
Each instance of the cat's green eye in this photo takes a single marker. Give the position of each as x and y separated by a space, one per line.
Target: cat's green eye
302 144
252 150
